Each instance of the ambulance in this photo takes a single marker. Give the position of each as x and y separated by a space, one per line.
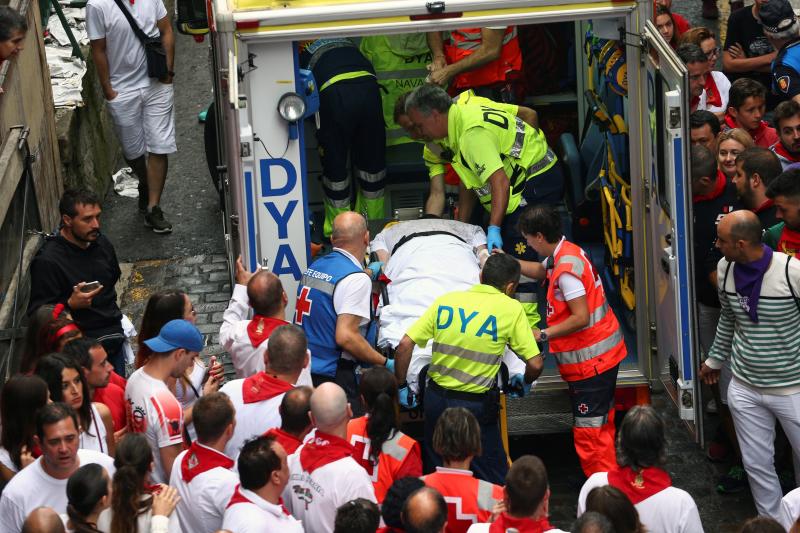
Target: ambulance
611 95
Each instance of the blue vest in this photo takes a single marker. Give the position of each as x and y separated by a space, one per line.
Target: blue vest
788 56
314 309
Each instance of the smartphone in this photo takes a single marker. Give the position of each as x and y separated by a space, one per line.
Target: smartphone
89 287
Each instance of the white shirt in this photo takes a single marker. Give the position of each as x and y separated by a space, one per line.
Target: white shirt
127 64
570 286
670 511
723 86
484 528
145 522
353 296
187 395
6 461
32 487
252 419
247 359
204 498
314 498
154 411
259 516
790 509
94 438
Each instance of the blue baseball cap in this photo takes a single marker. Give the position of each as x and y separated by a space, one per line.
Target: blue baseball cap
176 334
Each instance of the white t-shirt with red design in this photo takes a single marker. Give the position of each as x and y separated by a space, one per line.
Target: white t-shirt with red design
247 512
154 411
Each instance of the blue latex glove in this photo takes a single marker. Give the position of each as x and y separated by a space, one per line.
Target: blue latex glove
403 396
375 269
518 386
493 238
390 365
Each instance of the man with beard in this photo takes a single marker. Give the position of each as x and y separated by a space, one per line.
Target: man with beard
70 262
787 122
785 192
756 168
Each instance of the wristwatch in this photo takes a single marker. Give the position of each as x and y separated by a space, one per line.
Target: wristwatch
542 336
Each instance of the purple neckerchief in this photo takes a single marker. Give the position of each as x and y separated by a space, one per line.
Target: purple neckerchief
747 278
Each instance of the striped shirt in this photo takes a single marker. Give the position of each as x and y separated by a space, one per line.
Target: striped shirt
766 354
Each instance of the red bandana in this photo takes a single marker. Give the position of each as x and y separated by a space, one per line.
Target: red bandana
237 497
260 328
713 98
523 525
289 442
324 449
260 387
766 205
638 486
789 242
199 459
756 134
719 188
781 150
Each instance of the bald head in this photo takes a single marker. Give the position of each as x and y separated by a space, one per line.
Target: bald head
294 410
425 511
43 520
329 407
265 292
742 225
349 228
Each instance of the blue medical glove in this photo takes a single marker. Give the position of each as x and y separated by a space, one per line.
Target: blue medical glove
375 269
407 398
518 386
493 238
390 365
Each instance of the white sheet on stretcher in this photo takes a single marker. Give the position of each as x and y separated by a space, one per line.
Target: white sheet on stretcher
421 270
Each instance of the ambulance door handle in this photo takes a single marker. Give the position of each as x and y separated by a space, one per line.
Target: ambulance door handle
435 8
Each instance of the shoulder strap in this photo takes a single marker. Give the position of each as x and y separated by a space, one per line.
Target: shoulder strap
789 283
725 277
135 27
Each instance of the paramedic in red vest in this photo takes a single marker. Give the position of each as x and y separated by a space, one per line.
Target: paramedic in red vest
256 503
487 60
385 452
457 438
245 339
641 452
582 332
257 398
295 423
333 308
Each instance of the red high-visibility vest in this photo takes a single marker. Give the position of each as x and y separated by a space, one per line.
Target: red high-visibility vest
465 41
469 500
400 456
600 345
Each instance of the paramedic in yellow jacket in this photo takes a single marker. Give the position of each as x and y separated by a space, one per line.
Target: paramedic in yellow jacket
505 161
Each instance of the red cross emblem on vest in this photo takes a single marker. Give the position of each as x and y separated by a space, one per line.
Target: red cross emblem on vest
583 408
303 306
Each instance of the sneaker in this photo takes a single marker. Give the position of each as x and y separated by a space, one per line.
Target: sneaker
143 194
155 220
718 452
732 482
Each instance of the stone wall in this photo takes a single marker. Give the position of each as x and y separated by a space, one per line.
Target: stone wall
90 153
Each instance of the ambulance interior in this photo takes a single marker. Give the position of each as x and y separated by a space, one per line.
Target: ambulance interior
565 79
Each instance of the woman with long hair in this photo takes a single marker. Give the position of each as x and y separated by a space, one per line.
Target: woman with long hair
379 443
665 25
50 327
730 144
20 398
88 495
66 382
161 308
137 506
613 504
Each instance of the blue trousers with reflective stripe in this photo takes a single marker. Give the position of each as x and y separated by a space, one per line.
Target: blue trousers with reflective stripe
492 465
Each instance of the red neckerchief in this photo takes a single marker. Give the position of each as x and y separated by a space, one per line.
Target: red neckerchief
36 451
693 103
712 93
376 296
781 150
638 486
289 442
730 121
261 327
199 459
261 386
153 489
322 450
524 525
719 188
237 497
766 205
755 134
789 242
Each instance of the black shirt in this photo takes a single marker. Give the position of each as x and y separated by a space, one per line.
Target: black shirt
745 30
707 214
340 57
59 265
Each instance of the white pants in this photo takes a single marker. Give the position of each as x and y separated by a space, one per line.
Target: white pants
144 120
754 417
